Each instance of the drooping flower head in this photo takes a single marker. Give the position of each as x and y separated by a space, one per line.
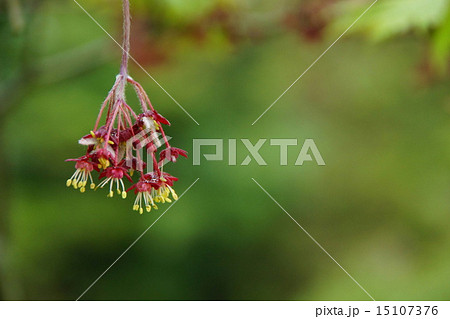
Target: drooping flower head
114 175
83 169
115 148
151 189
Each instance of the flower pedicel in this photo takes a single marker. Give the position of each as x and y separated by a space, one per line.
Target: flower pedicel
110 146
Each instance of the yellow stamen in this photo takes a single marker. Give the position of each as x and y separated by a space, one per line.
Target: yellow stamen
174 195
104 163
69 182
124 195
82 189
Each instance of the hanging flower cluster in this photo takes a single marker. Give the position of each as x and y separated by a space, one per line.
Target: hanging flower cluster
115 149
110 149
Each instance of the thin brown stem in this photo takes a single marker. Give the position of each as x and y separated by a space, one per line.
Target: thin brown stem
107 100
164 136
126 38
141 93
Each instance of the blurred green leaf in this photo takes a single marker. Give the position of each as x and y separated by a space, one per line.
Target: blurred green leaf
441 44
393 17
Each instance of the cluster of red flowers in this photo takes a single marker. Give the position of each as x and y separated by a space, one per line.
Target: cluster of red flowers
110 149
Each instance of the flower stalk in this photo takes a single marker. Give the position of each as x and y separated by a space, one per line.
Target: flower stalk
126 38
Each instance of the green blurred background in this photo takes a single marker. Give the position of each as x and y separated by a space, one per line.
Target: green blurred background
377 105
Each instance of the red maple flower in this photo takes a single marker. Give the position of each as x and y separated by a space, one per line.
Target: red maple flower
153 188
171 154
115 174
110 146
83 169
